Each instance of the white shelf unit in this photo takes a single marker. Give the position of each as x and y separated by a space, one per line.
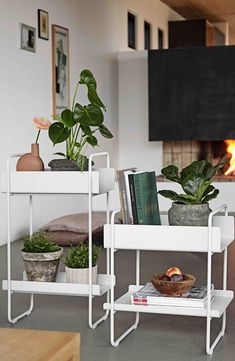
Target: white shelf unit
215 238
31 184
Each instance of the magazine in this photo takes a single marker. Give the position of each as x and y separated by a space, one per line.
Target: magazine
195 297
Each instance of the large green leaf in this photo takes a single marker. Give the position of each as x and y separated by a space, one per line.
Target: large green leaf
210 196
92 140
89 115
171 172
189 199
67 118
211 171
86 129
87 78
202 189
195 168
169 194
82 162
58 133
105 132
93 97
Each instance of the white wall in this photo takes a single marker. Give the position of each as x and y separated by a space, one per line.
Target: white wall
98 30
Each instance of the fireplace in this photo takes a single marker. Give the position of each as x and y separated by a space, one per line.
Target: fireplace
182 153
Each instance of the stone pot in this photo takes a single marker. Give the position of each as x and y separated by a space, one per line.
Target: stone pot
189 214
80 275
30 161
42 267
63 165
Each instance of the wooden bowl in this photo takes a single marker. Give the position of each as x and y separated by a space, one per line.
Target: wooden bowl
172 288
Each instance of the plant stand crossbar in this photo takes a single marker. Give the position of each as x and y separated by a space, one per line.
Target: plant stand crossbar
113 234
15 286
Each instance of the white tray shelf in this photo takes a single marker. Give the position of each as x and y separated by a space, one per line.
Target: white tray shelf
216 237
172 238
221 302
29 184
57 182
60 287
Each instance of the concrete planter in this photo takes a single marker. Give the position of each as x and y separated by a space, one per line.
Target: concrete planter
42 267
189 214
80 275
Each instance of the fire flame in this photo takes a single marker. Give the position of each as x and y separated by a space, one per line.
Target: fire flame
230 150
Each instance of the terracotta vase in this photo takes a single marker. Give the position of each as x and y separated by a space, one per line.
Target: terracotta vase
30 161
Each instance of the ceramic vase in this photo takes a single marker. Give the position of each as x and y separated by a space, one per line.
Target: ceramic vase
80 275
30 161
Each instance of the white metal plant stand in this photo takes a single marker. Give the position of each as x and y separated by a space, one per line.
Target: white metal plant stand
214 238
42 183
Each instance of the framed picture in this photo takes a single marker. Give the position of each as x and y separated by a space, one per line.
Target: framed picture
43 24
60 65
27 38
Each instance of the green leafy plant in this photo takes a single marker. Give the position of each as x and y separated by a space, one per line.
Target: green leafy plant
195 181
39 242
78 257
77 126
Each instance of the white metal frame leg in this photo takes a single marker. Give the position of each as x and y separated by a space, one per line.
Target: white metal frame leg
9 291
114 342
92 324
210 348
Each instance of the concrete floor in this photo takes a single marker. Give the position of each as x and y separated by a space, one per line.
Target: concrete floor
158 337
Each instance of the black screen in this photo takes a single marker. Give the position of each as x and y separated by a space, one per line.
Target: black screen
192 93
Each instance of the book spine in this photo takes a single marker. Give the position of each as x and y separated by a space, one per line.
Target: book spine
138 198
133 199
128 198
122 195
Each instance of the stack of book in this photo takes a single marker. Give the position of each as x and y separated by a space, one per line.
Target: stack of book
138 196
195 297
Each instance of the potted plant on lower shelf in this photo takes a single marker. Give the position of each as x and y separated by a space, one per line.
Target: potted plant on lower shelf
77 264
41 257
192 207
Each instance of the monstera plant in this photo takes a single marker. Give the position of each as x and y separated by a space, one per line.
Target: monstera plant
78 126
195 180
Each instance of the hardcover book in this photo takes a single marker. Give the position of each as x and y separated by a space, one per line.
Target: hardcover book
144 199
124 194
195 297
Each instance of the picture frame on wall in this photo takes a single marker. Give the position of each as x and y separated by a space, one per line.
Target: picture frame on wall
27 38
43 24
60 66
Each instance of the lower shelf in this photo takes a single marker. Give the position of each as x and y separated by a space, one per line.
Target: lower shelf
60 287
221 302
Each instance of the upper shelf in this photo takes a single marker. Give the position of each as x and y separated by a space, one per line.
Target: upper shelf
58 182
172 238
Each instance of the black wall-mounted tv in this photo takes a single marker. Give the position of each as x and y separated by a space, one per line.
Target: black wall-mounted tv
192 93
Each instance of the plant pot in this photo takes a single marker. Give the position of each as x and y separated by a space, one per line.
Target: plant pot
63 165
189 214
42 267
80 275
30 161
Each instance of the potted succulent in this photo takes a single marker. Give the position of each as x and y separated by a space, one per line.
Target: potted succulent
77 127
41 257
77 263
191 208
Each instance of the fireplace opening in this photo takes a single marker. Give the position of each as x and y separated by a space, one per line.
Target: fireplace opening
182 153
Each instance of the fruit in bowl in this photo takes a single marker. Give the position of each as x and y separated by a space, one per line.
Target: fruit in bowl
173 282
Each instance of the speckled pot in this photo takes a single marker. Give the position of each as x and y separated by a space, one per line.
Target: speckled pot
42 267
189 214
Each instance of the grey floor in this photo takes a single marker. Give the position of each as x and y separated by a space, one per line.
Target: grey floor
158 337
